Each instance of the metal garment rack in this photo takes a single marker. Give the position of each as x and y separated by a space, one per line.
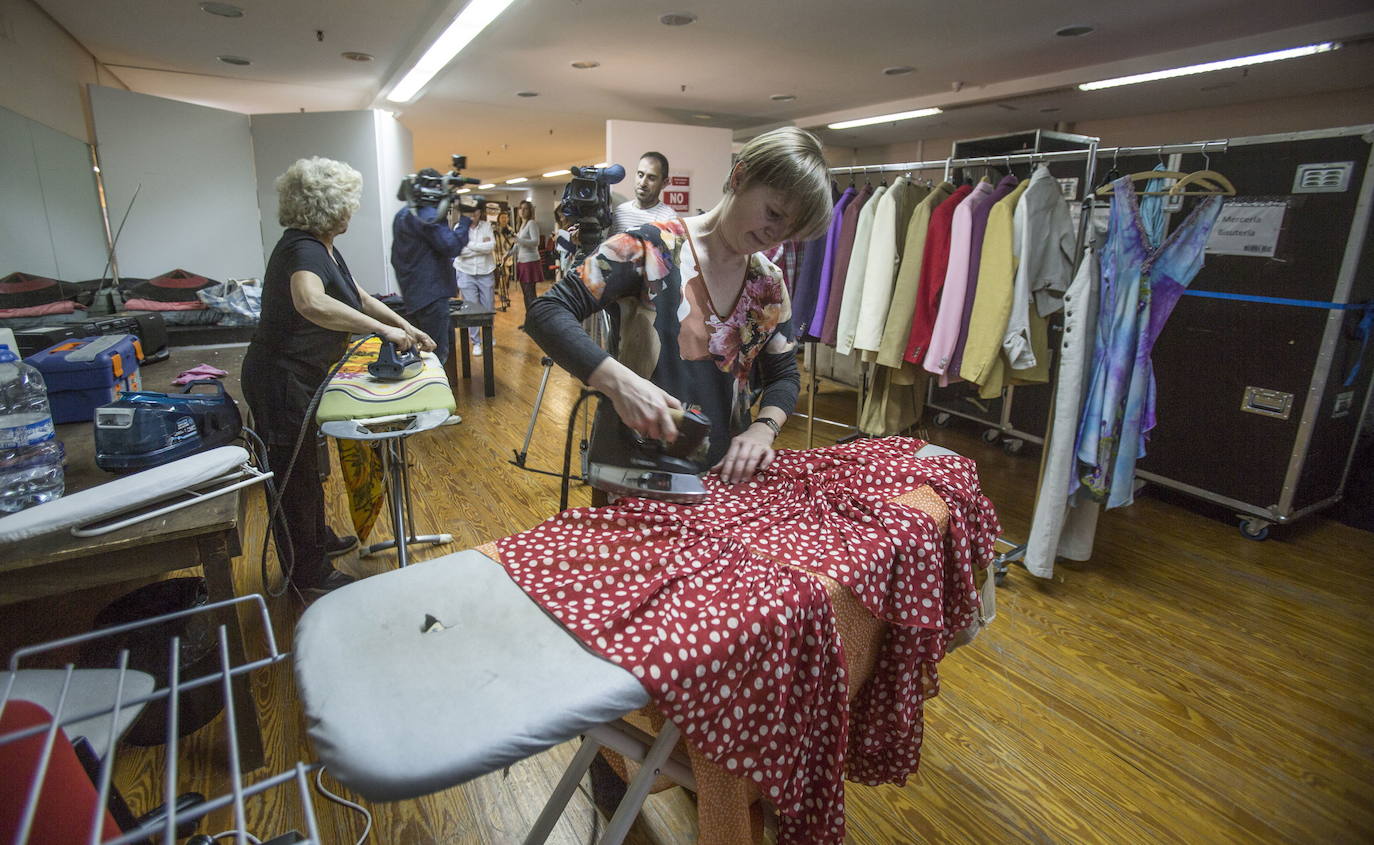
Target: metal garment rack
1090 157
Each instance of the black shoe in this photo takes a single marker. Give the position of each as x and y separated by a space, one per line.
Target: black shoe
336 546
331 582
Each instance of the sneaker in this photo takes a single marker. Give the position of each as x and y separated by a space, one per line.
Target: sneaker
453 419
331 582
336 546
477 349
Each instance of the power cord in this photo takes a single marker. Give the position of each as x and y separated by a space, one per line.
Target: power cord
339 799
288 566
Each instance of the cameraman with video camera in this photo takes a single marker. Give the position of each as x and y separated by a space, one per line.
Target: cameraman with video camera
423 246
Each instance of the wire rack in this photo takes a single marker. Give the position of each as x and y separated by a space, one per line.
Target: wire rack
54 733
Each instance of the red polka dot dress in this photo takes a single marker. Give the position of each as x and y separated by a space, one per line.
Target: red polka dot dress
715 609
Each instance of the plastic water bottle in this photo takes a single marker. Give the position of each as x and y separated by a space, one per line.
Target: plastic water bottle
30 453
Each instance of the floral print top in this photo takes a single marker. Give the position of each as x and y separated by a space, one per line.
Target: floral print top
665 327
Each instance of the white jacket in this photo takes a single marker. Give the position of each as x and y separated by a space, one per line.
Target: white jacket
476 259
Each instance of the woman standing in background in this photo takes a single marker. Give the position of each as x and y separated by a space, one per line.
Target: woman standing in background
527 270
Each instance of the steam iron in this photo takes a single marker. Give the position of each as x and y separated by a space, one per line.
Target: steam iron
622 463
394 365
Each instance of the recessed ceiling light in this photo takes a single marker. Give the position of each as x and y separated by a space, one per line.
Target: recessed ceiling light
553 173
234 60
783 98
355 56
586 64
898 70
488 185
702 116
527 93
223 10
1074 31
677 19
517 180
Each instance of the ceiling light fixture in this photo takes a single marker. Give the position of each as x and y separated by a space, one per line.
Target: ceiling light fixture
702 117
677 19
899 70
1225 64
602 164
488 185
469 23
1074 31
235 60
783 98
517 180
222 10
355 56
553 173
884 118
463 191
586 64
527 93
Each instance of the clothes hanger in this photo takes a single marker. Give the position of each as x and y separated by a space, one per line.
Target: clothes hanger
1212 182
1147 175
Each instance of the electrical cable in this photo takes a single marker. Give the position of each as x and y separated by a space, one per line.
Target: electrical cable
288 567
567 449
250 837
339 799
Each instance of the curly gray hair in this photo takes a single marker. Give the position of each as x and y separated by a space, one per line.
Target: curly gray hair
318 195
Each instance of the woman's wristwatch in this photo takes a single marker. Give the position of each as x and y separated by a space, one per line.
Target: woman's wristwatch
771 423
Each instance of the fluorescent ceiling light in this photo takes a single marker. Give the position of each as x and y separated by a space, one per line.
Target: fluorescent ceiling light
467 26
1244 61
517 180
602 164
553 173
488 185
883 118
464 191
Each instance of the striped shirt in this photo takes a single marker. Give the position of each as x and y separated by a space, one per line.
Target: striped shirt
628 215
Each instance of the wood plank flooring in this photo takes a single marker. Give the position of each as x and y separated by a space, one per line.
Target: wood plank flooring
1186 685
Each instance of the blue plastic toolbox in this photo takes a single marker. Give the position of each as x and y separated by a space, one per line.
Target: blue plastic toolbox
86 372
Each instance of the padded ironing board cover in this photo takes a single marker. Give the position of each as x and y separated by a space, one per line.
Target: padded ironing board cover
123 494
353 394
396 713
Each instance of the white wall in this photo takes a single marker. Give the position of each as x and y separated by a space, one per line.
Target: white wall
192 167
353 137
44 71
394 160
701 151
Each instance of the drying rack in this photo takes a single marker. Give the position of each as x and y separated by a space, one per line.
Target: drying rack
275 788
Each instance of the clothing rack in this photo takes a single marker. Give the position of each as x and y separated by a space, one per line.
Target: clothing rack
1090 157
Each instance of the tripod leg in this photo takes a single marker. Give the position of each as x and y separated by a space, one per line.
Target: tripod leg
547 363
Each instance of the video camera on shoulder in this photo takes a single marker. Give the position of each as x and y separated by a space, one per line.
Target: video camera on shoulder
430 187
587 202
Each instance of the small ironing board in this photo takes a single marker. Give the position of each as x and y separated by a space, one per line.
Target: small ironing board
356 406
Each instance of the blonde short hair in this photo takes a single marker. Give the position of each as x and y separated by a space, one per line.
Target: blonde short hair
318 195
791 161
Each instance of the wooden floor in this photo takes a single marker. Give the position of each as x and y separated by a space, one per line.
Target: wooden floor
1187 685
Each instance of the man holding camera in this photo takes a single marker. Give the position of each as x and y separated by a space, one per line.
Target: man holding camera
423 247
647 207
476 265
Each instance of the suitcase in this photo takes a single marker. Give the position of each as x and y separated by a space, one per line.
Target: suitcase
36 340
147 326
84 373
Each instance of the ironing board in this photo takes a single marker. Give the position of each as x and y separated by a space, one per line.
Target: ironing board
357 407
485 677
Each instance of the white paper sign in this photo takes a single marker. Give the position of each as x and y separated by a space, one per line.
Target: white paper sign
1248 227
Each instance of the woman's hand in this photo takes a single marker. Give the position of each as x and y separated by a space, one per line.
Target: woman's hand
420 339
397 336
640 404
750 452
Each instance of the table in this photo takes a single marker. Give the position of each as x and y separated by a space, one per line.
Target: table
205 535
461 318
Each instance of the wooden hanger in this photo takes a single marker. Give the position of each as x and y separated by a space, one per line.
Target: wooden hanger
1212 182
1203 177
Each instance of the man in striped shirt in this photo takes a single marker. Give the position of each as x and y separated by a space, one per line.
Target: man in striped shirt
647 206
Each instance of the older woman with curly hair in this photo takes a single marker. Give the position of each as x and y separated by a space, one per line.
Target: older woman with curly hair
310 306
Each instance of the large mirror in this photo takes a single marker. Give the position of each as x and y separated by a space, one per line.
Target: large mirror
50 221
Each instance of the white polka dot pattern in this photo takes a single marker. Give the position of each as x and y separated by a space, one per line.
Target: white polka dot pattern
711 606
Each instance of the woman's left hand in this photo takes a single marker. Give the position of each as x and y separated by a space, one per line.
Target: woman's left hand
420 339
750 452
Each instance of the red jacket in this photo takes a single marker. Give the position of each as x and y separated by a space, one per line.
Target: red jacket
933 266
